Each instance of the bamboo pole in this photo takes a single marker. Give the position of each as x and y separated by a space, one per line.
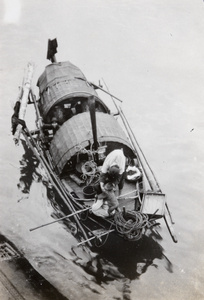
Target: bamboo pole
54 180
98 87
155 180
39 118
95 236
24 100
130 134
168 221
60 219
167 216
153 183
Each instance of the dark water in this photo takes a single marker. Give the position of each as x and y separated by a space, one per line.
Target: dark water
151 55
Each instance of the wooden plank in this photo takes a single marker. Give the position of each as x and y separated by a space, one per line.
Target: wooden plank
24 100
153 202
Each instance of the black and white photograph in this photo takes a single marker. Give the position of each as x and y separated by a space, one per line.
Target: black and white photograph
102 144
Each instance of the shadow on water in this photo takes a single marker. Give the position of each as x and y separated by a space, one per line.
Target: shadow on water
28 169
31 170
121 259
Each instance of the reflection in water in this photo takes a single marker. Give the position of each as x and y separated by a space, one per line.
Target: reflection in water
28 169
118 259
31 170
121 259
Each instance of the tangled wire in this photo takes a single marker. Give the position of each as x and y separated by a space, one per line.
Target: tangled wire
132 224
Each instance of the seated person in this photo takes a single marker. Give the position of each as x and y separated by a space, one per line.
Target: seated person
107 197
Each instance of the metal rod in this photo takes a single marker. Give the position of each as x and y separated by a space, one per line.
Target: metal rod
68 216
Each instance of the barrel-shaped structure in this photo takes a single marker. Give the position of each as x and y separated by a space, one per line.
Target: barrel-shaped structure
61 81
76 133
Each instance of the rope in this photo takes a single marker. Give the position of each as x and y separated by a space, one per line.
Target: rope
131 224
80 149
121 196
89 168
127 198
98 241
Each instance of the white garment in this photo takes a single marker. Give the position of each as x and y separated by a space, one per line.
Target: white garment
116 157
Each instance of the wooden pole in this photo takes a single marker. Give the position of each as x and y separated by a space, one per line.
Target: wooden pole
168 221
153 183
92 110
98 87
127 127
39 118
60 219
24 100
96 236
54 180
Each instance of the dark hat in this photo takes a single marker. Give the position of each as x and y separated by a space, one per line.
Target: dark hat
114 171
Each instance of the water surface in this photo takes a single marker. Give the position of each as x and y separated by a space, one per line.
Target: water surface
151 55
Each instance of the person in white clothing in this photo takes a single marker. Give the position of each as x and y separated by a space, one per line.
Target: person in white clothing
114 158
113 169
112 174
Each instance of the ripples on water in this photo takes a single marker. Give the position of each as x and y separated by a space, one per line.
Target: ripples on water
115 261
164 85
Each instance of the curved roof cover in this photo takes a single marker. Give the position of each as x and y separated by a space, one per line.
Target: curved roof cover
60 81
77 131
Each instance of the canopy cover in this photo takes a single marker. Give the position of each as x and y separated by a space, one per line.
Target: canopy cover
60 81
77 132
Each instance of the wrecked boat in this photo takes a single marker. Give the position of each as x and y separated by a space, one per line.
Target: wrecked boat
75 133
